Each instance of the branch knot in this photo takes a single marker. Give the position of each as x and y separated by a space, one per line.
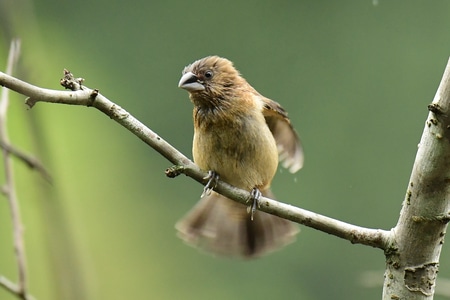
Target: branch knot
70 82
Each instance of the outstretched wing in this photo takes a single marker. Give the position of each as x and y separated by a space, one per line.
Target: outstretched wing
289 146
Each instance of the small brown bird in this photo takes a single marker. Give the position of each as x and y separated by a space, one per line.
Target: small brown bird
238 135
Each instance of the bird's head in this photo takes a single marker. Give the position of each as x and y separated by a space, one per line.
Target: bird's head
210 81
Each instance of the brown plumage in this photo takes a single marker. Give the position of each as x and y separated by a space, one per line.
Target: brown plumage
238 133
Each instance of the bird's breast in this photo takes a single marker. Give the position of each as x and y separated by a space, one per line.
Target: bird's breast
241 150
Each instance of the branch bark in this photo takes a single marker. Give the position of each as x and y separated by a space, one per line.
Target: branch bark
413 258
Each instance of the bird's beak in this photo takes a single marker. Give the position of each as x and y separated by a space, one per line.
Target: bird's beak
190 83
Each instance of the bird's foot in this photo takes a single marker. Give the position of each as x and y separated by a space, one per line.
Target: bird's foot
212 178
255 194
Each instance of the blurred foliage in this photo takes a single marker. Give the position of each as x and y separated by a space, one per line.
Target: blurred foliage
355 76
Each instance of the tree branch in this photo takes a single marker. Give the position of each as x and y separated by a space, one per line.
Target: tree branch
81 95
13 288
9 188
413 258
29 160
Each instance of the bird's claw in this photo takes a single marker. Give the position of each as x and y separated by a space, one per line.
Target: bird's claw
212 178
255 194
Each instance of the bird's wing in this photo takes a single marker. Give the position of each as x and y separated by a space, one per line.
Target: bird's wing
289 146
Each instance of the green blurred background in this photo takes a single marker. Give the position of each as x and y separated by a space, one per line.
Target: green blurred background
355 76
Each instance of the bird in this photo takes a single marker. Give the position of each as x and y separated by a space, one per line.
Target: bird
239 136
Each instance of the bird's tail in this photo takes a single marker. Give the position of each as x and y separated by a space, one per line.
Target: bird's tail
222 226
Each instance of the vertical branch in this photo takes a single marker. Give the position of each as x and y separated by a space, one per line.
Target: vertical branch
9 187
413 257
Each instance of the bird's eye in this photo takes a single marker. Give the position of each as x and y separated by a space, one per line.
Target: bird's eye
208 74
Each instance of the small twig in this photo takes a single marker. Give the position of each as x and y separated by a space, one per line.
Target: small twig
30 161
9 187
13 288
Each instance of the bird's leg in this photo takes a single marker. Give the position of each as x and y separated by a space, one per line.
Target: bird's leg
212 178
255 194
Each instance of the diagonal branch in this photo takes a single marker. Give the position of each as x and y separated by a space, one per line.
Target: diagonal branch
81 95
29 160
13 288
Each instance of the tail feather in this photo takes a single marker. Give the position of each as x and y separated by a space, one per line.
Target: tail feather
219 225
